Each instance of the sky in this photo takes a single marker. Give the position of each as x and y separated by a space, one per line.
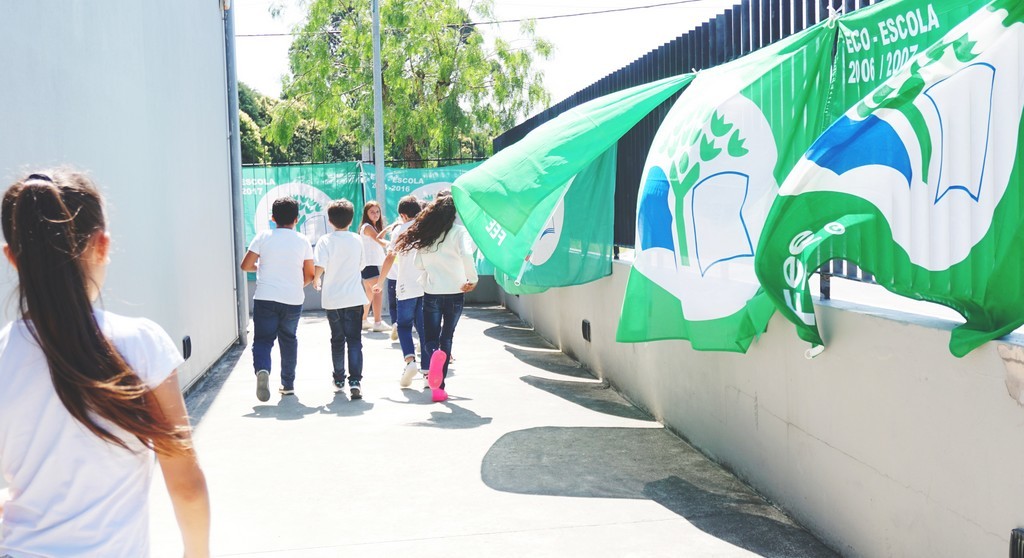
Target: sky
587 47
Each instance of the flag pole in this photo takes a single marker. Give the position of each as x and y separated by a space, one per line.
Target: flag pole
378 112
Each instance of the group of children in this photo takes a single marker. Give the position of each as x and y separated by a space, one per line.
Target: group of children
428 257
90 396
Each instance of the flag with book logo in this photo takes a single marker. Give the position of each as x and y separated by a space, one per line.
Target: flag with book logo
920 185
709 181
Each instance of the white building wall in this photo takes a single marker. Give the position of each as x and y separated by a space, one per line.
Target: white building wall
884 445
134 93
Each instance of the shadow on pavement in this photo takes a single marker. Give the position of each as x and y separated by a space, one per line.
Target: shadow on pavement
592 395
553 361
200 396
288 408
460 418
650 464
520 336
342 406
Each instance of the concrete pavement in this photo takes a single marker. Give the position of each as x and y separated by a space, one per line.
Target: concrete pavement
530 456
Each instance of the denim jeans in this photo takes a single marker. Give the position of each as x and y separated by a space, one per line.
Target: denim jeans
346 329
440 315
275 321
393 300
410 312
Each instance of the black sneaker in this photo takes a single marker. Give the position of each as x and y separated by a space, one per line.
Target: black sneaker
286 390
263 385
354 391
339 385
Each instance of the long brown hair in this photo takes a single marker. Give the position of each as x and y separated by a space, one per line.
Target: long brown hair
431 225
380 223
49 221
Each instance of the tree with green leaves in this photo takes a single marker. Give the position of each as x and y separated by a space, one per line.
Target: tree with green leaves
308 142
447 89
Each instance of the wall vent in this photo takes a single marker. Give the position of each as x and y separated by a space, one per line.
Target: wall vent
586 330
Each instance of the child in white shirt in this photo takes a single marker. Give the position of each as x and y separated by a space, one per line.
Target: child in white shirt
338 259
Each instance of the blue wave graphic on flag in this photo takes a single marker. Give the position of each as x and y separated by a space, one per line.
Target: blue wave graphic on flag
547 231
654 218
849 144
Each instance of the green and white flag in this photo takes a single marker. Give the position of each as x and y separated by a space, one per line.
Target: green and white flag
875 42
563 255
711 176
422 183
541 210
314 186
921 185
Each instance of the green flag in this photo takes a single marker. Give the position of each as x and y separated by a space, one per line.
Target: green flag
920 185
710 178
314 186
422 183
510 203
876 41
567 254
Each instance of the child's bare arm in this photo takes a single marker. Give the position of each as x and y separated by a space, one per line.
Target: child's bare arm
249 261
318 273
307 272
186 483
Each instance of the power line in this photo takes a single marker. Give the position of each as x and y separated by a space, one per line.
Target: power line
480 23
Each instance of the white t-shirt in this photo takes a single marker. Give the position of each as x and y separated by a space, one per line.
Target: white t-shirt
395 231
73 494
407 283
448 264
373 252
341 255
279 270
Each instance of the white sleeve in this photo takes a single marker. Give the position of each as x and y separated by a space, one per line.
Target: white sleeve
257 241
321 254
151 353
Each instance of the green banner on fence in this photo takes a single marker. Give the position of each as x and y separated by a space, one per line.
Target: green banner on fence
422 183
314 186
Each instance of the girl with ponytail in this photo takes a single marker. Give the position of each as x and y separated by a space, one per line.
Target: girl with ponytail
86 396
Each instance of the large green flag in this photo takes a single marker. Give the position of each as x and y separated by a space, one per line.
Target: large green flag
573 255
510 203
876 41
710 178
314 186
921 185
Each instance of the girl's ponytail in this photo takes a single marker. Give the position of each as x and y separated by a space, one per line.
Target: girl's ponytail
49 222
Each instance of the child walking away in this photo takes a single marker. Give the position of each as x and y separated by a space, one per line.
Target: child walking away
86 396
373 249
408 292
338 259
283 262
445 256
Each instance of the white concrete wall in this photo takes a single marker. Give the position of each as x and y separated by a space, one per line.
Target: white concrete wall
134 93
884 445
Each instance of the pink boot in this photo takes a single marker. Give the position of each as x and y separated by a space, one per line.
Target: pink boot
436 375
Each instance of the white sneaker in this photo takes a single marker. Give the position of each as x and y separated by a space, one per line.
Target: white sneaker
394 332
380 326
367 324
410 372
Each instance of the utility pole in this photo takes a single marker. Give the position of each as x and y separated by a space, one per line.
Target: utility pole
378 110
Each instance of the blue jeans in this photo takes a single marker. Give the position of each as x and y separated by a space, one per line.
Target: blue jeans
275 321
410 311
346 329
440 315
392 300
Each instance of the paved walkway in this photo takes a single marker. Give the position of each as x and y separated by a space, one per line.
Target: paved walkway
531 456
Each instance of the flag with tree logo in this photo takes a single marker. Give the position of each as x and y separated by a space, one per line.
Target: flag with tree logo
920 185
541 209
710 178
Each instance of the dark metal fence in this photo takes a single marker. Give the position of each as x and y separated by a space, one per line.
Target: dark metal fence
744 28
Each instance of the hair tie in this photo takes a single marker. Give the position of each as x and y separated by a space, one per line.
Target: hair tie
36 176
